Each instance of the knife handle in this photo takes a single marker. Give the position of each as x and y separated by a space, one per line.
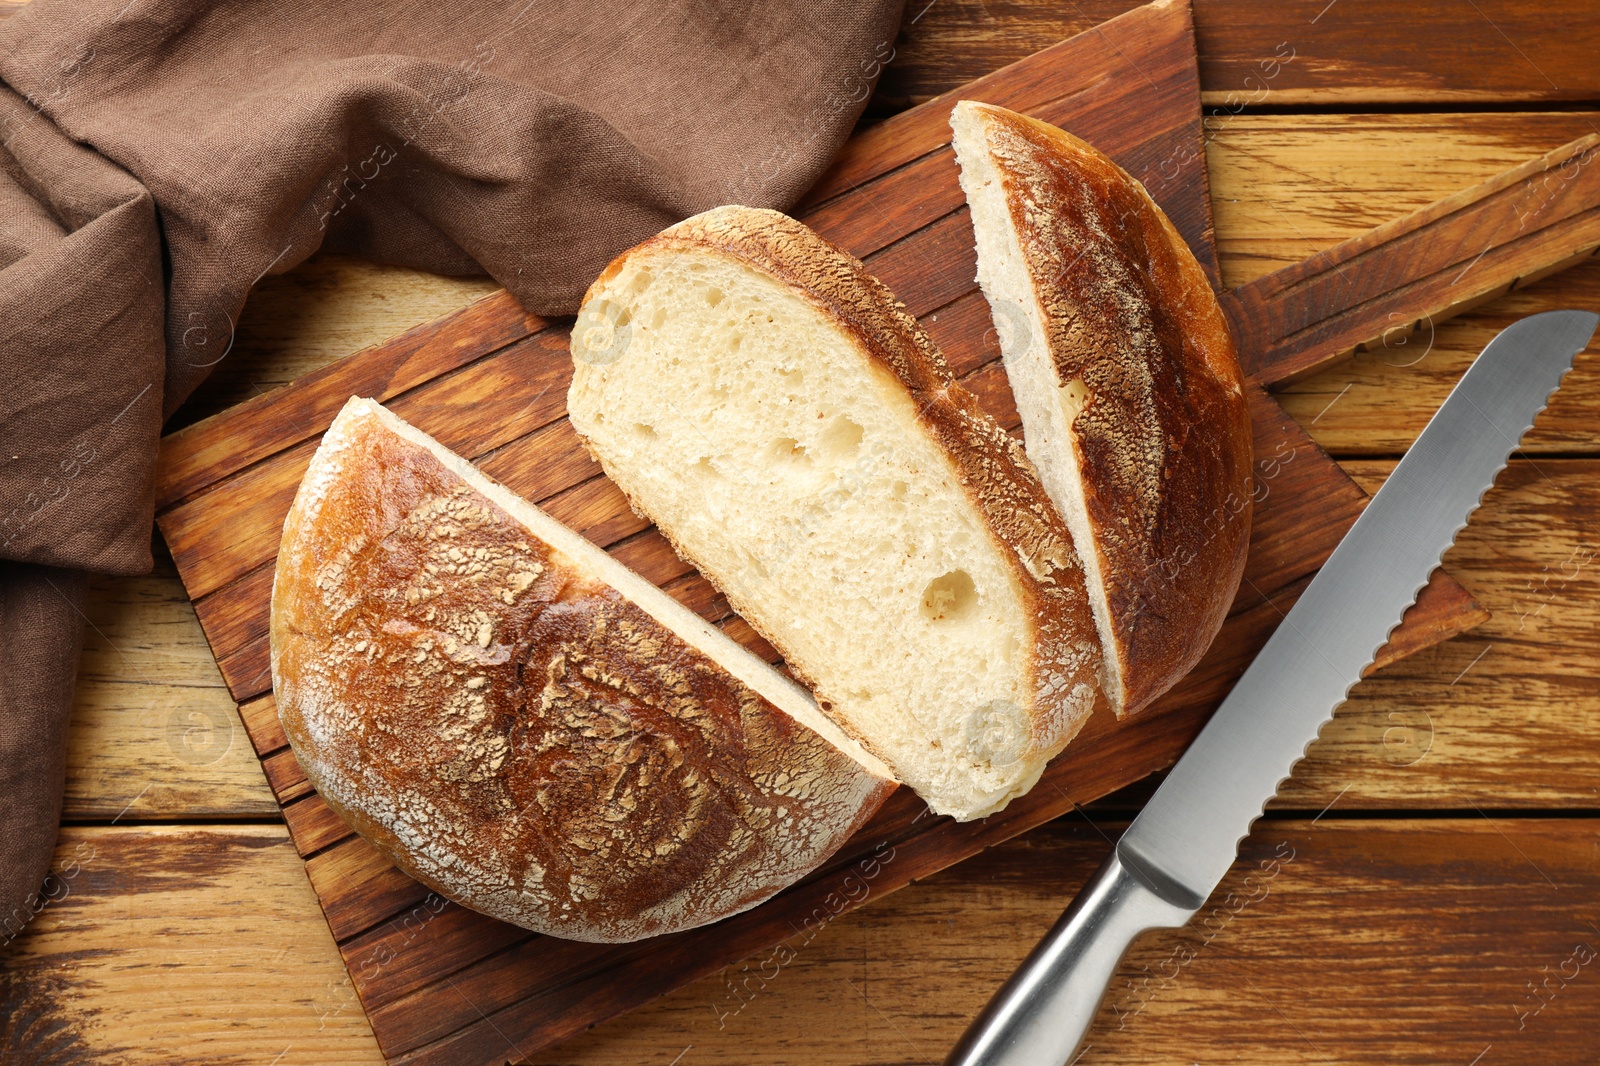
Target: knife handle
1040 1016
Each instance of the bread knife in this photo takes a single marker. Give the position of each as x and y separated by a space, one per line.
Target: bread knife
1182 843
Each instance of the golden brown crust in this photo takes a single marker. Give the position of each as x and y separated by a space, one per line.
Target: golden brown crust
515 733
994 470
1165 439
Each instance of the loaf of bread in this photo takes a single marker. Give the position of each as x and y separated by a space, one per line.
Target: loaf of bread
523 724
795 434
1130 392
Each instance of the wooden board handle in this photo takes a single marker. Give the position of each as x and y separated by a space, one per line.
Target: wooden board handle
1456 253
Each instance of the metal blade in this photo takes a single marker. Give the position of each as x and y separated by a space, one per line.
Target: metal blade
1188 835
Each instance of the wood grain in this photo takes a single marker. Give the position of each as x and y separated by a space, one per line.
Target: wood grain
155 734
150 955
273 422
1512 230
330 303
1291 186
1368 942
1463 725
1286 187
1349 52
178 944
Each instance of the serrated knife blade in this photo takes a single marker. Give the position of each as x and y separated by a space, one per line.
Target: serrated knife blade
1182 843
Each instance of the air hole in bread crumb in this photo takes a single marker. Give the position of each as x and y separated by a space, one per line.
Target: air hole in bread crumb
641 281
704 468
713 296
840 439
659 319
755 565
788 450
792 380
646 431
1075 396
949 597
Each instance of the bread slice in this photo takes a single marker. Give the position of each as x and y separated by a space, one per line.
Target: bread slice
1130 392
523 724
797 436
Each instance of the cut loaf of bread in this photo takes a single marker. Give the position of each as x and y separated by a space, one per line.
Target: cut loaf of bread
1130 392
523 724
796 435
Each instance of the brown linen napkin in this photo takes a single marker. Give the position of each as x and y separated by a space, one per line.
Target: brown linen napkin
158 157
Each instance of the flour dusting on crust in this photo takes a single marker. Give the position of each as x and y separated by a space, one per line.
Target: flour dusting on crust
511 730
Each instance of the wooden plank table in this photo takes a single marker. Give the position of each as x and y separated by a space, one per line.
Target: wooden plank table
1427 886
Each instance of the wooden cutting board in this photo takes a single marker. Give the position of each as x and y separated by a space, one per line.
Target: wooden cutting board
445 985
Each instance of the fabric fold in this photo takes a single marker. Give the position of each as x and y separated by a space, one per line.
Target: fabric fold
41 615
